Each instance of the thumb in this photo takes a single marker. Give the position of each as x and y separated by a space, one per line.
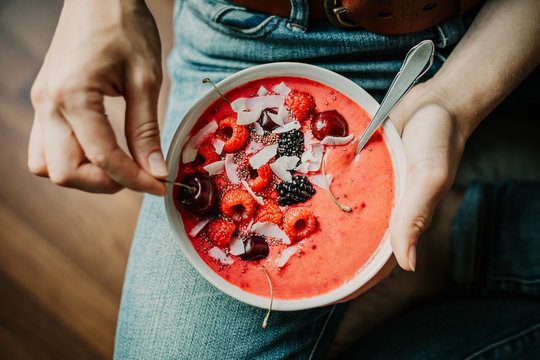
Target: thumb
142 129
423 191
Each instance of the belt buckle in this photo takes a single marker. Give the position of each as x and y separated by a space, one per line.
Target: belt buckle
335 12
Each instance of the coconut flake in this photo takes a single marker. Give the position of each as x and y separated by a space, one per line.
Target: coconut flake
230 169
288 162
258 199
286 255
281 89
258 128
281 172
236 246
215 168
283 114
270 229
192 146
293 125
218 145
248 117
262 91
275 118
248 227
253 147
198 227
220 255
307 156
318 150
263 156
303 168
320 181
264 102
311 159
337 140
239 104
308 137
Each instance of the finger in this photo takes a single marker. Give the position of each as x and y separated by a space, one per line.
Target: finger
65 159
142 128
85 113
423 191
36 156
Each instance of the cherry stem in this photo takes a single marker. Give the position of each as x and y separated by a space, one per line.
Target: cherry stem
207 80
342 207
191 189
265 321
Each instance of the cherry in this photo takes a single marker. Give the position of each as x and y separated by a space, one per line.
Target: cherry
255 248
265 121
199 194
329 123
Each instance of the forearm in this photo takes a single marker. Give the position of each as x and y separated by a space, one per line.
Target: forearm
499 50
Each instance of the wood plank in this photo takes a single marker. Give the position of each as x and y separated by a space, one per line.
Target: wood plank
162 10
34 20
27 331
63 251
51 278
16 64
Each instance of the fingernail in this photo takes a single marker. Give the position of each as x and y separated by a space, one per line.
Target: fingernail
412 257
158 168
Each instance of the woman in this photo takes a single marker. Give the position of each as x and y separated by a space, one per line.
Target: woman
106 47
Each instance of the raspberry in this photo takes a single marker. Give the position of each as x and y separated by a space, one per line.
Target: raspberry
220 231
269 212
273 195
297 191
264 178
299 222
238 205
234 135
301 105
207 155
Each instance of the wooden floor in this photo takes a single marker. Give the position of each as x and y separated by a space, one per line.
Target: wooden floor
62 252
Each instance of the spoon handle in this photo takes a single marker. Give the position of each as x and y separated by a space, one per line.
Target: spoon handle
418 60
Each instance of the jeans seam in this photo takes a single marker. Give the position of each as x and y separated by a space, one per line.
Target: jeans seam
444 39
504 341
323 329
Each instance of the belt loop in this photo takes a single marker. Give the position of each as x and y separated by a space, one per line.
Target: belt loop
299 15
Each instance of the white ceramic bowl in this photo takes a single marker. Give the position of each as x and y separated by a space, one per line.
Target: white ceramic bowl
329 78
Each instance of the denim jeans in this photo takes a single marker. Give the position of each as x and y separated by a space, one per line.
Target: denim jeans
168 311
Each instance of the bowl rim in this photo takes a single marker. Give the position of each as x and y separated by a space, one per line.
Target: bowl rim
327 77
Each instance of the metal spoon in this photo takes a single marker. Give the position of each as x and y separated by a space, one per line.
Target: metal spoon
418 60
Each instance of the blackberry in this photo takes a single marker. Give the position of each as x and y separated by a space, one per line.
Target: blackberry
291 143
295 192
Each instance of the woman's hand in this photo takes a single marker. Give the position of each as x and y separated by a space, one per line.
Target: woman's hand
434 143
433 146
436 118
100 48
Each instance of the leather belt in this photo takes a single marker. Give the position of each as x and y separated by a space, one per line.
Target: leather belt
379 16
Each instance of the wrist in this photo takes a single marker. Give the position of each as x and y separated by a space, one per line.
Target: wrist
467 109
106 9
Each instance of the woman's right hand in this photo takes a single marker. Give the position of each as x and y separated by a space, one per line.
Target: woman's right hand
100 48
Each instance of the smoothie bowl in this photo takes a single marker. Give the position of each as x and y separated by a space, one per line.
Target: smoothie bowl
273 203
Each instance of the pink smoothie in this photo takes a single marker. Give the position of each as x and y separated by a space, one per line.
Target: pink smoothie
342 243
